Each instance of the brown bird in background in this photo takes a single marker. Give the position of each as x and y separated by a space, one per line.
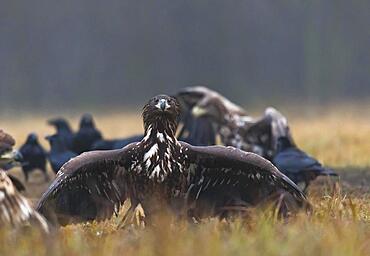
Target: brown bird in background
9 157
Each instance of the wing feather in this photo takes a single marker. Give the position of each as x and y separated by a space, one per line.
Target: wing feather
224 176
90 186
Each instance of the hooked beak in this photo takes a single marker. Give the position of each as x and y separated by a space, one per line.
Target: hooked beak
198 111
11 157
163 105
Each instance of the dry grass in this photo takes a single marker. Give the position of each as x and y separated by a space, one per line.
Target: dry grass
339 224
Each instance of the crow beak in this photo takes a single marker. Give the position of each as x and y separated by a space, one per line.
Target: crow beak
198 111
163 105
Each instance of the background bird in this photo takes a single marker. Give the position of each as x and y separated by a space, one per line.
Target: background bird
86 136
162 173
59 153
197 131
297 165
261 135
234 126
10 158
15 210
34 156
115 143
63 130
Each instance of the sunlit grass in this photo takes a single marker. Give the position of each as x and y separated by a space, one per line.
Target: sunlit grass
338 225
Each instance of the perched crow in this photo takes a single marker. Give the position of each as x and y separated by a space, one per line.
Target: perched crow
162 173
85 138
115 143
15 210
34 156
63 129
59 153
297 165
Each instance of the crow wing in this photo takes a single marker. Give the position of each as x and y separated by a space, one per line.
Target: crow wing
88 187
294 160
226 176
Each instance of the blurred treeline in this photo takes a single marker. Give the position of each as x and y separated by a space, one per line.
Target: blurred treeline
83 53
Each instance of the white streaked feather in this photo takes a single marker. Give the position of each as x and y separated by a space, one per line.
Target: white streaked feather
151 152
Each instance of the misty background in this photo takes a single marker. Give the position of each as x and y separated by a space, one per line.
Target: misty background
89 53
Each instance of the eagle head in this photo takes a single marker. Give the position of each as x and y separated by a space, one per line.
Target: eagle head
161 109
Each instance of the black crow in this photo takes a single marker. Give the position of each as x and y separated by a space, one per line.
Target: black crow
15 210
63 129
87 135
162 173
297 165
59 153
34 156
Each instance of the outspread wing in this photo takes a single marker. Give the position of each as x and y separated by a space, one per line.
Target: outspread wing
225 177
15 210
88 187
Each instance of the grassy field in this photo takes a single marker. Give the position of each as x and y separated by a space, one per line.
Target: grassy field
339 225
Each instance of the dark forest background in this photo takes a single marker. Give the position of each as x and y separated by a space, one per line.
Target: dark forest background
89 53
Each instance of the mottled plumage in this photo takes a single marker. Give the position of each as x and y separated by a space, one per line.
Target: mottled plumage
159 172
261 136
10 158
234 126
297 165
6 142
15 210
